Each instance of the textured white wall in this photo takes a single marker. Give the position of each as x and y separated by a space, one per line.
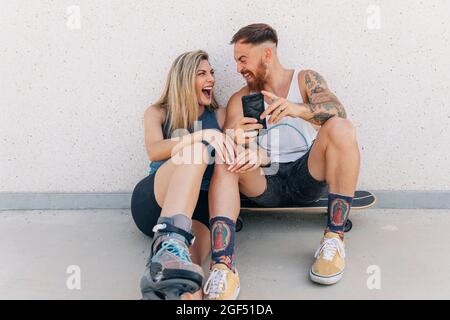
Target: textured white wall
72 100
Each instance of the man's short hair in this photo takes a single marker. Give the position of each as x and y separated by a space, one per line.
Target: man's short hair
256 34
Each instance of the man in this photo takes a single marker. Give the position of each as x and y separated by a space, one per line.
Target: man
316 149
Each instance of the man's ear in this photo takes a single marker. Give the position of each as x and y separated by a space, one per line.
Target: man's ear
267 55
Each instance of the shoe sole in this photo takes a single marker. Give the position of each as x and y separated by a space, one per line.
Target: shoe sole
325 280
172 286
171 289
238 290
236 295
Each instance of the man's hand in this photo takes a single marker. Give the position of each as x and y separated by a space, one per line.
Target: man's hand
246 130
280 108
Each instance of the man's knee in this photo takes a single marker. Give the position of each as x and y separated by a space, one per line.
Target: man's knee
341 131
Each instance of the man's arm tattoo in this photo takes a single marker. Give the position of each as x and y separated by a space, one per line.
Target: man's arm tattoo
322 103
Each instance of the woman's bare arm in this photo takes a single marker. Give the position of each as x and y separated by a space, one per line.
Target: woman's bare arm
157 147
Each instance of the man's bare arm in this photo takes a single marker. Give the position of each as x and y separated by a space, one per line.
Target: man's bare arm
234 111
322 103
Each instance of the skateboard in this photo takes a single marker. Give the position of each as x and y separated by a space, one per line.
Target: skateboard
361 200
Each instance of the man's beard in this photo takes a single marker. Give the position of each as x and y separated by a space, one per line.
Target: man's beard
259 79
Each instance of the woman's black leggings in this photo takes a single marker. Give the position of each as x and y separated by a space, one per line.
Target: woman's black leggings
146 211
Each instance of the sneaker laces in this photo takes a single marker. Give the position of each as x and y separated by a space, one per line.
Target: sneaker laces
216 283
329 247
178 249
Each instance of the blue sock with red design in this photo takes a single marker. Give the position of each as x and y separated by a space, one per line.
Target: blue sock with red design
223 231
338 211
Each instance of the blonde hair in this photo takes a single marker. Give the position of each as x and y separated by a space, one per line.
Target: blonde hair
179 98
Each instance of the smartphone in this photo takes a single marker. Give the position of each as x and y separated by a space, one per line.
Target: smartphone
253 106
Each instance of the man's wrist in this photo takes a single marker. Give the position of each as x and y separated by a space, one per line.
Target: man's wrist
302 110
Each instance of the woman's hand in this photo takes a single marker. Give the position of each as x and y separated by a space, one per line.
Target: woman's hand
249 159
223 144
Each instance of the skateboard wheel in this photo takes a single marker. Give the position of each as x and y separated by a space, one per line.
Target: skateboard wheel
348 226
239 224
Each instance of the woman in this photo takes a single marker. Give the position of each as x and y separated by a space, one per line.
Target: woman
171 203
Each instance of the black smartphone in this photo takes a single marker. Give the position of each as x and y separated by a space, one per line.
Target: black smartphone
253 106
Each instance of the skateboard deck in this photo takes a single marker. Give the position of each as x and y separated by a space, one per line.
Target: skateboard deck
361 200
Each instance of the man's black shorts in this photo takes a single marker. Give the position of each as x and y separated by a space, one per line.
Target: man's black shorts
291 185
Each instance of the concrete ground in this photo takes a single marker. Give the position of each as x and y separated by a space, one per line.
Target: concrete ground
406 252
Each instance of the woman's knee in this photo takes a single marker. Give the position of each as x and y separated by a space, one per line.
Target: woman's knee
221 168
221 171
194 156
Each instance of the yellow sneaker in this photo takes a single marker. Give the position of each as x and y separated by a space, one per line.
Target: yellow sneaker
329 265
222 284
